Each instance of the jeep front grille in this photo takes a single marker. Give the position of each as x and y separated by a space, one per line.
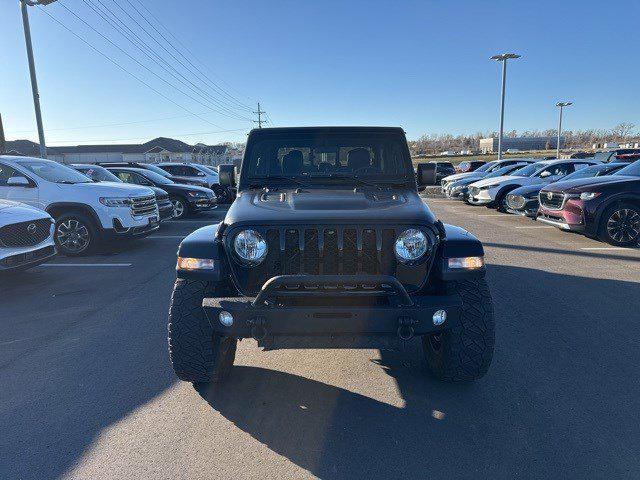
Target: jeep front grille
143 206
551 200
321 250
25 234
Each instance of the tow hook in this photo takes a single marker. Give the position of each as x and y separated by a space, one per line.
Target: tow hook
405 328
258 328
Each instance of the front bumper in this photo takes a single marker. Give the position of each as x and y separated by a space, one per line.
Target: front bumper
166 213
27 258
295 305
120 232
202 204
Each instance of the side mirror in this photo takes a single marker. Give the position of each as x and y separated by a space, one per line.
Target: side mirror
18 182
426 174
227 175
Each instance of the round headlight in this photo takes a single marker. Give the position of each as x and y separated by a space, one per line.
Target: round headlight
250 246
411 245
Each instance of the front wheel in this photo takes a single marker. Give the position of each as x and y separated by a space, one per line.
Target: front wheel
463 353
180 208
75 234
198 355
620 225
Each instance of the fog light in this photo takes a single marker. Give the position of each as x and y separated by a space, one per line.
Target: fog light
226 318
439 317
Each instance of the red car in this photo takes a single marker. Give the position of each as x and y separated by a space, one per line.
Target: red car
606 207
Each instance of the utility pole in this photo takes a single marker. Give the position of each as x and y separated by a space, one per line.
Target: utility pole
503 58
3 142
561 105
259 113
32 68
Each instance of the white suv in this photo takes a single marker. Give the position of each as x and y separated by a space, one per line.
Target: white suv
85 212
26 236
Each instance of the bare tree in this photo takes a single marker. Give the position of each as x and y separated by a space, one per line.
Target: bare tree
623 130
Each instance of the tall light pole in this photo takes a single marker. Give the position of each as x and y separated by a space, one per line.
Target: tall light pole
561 105
503 58
32 68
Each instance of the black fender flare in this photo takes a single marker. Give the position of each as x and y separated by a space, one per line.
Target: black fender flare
457 243
204 243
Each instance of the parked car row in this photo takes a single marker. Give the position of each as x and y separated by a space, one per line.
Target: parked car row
47 207
584 195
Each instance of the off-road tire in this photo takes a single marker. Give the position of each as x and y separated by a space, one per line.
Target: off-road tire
606 236
464 352
198 355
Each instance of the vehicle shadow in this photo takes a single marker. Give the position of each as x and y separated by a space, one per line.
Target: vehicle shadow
558 401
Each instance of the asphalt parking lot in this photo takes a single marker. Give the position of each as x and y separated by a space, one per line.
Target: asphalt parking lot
87 390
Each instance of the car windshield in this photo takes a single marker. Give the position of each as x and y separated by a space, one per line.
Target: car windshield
503 171
527 171
632 170
54 172
99 174
209 170
156 178
586 172
487 167
157 170
317 159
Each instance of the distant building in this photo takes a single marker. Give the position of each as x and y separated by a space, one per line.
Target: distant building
490 145
160 149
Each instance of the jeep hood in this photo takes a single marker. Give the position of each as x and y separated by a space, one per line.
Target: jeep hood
314 206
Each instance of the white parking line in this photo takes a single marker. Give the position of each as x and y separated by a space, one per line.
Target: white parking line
86 265
610 248
205 221
167 236
538 226
494 215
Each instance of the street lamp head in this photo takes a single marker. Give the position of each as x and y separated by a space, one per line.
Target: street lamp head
505 56
563 104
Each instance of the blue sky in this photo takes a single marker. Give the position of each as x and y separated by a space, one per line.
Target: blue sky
423 65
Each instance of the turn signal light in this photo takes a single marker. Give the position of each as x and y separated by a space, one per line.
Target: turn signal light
467 263
186 263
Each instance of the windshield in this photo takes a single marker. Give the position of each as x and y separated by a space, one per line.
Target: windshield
156 178
526 171
210 170
99 174
487 167
587 172
314 159
503 171
54 172
632 170
157 170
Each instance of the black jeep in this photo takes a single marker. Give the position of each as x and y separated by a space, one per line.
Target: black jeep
328 245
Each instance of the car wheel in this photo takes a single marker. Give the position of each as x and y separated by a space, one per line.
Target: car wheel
500 202
620 225
75 234
464 352
179 207
197 354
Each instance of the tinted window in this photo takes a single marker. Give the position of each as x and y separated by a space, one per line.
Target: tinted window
319 157
98 174
561 170
172 169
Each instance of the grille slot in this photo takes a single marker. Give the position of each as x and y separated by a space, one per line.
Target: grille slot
24 235
142 206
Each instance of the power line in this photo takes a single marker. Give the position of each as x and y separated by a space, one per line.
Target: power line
139 137
105 124
137 61
179 42
259 113
125 70
148 51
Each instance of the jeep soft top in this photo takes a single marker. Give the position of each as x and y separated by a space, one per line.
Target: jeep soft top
328 245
